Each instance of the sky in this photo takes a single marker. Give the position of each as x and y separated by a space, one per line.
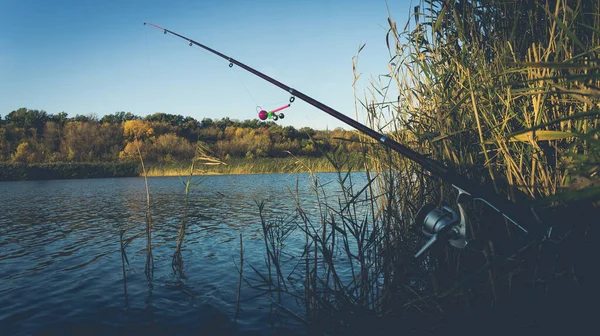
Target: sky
97 57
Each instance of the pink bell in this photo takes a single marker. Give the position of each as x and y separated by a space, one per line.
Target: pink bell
263 115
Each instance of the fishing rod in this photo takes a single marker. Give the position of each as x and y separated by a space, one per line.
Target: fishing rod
439 224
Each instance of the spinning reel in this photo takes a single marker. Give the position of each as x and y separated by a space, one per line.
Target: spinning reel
444 224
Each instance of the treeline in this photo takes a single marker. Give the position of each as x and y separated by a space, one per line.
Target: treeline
35 136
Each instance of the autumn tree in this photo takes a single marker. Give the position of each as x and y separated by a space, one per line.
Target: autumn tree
169 148
86 142
137 129
4 144
35 136
209 134
130 152
51 139
24 153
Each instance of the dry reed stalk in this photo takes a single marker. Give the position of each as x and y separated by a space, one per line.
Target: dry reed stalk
123 261
177 262
465 91
149 268
239 290
529 93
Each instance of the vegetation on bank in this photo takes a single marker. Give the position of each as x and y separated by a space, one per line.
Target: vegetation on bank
34 136
164 141
254 166
54 171
10 171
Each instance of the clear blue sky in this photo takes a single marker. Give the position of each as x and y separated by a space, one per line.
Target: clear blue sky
96 56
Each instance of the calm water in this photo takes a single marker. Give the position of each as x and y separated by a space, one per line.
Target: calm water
60 262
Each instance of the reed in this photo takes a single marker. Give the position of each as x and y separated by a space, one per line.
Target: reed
149 268
202 158
291 164
241 271
123 246
338 239
506 93
177 262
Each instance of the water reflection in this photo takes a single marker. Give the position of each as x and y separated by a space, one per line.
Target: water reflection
73 252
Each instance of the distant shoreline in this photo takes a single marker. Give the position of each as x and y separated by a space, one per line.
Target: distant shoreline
240 166
82 170
66 170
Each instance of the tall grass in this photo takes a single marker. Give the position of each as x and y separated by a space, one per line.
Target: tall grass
506 93
504 89
202 158
149 269
289 164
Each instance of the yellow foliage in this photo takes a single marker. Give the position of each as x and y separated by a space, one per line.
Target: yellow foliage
229 132
137 129
130 151
24 153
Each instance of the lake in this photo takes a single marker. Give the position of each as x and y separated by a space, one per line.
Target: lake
60 257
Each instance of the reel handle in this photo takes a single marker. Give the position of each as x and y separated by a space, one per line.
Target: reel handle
427 245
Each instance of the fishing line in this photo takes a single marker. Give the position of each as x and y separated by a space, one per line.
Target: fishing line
150 85
243 84
148 56
515 212
240 81
264 113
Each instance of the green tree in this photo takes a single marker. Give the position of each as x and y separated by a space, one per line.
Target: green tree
172 119
60 118
118 117
85 118
306 132
29 120
206 122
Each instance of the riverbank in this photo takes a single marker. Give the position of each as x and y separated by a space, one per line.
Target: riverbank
79 170
67 170
250 166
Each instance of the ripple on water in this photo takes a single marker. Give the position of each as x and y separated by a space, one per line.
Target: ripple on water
61 267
